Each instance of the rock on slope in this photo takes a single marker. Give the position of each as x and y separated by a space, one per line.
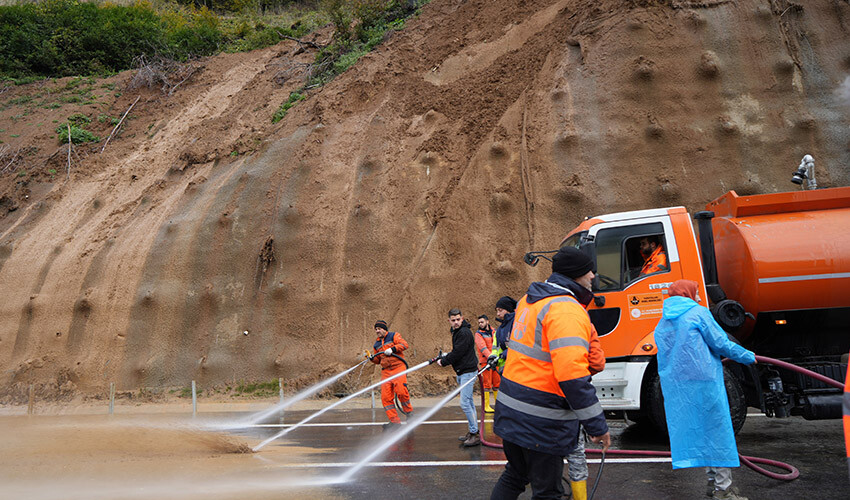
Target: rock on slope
411 184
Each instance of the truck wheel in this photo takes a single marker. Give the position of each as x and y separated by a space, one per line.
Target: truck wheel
655 404
734 392
737 400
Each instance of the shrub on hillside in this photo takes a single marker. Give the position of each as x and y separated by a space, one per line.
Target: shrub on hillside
68 37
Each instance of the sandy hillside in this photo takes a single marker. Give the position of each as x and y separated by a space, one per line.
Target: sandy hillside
411 184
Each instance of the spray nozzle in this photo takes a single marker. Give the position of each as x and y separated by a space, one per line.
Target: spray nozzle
434 360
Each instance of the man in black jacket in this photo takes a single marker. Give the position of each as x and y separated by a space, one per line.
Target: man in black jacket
465 363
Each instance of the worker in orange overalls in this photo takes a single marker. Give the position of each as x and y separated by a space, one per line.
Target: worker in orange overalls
484 346
389 349
655 259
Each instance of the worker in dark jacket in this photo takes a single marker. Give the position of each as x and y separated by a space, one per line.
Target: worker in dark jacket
546 391
505 307
462 358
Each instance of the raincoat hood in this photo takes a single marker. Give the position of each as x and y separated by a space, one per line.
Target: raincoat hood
677 306
558 284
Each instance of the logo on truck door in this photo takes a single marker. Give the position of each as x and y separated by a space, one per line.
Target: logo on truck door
646 305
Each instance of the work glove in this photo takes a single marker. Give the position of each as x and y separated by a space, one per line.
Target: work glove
367 355
388 352
493 361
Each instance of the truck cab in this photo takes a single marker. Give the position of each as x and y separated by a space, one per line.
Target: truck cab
628 300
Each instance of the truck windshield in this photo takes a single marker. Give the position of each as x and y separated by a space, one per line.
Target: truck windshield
574 240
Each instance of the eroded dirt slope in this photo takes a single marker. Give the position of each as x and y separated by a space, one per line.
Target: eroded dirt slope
411 184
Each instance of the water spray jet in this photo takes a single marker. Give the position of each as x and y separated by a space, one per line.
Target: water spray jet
341 401
405 430
306 393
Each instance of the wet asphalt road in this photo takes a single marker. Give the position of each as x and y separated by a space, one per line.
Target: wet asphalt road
431 464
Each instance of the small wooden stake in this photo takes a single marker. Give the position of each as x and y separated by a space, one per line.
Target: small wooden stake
31 405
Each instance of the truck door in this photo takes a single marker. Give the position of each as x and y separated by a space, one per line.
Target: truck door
636 262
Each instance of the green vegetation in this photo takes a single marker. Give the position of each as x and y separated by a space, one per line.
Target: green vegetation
258 389
294 98
79 135
68 37
372 20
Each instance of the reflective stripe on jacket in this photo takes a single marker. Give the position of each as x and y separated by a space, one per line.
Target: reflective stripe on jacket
392 340
546 389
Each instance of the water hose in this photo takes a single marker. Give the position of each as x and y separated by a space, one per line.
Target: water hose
792 474
481 427
799 369
598 476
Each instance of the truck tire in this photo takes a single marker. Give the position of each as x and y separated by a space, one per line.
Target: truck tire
737 400
654 402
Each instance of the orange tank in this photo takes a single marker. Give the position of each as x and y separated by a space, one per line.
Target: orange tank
783 251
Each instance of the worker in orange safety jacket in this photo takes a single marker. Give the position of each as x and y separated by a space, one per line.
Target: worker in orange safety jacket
545 392
389 353
483 347
655 259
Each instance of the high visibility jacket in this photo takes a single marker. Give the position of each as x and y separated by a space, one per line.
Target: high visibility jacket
545 387
596 356
656 262
483 345
392 340
847 418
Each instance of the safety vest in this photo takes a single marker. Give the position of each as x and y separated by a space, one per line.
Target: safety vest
530 362
656 262
548 356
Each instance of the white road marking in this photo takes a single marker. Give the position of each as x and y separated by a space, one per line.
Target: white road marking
366 424
361 424
462 463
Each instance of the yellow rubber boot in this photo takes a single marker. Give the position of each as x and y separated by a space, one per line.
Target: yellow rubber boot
579 489
487 408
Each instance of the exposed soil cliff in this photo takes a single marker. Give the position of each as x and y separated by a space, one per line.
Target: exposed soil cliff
411 184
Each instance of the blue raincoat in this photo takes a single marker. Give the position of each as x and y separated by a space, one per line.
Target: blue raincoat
690 346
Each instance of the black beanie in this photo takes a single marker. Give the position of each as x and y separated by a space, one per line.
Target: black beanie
571 262
381 324
506 303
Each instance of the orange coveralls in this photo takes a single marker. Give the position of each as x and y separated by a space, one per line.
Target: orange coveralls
657 261
390 365
484 346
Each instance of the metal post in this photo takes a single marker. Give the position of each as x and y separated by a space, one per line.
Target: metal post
194 399
31 405
111 398
280 384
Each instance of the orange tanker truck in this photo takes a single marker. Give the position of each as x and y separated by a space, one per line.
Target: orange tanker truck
776 271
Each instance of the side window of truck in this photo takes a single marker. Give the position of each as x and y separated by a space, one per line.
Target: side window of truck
618 256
